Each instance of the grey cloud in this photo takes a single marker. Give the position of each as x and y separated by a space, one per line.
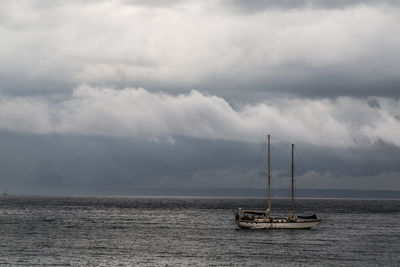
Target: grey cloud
70 164
317 84
154 3
199 45
110 164
253 6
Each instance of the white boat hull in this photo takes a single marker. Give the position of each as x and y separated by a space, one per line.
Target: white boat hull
277 225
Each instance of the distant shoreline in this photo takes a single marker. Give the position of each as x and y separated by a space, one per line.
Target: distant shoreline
232 193
277 193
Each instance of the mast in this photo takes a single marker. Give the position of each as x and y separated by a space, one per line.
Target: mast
269 176
292 209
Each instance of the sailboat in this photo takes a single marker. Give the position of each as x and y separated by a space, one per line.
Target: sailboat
262 219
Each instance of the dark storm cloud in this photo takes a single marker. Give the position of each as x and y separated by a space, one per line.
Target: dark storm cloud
105 164
80 165
354 162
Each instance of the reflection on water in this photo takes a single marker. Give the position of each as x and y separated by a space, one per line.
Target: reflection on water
192 231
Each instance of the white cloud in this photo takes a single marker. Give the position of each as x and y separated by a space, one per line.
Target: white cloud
344 121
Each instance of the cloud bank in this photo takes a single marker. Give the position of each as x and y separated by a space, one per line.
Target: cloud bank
319 48
344 121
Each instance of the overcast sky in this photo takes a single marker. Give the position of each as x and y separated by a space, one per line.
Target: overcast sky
111 97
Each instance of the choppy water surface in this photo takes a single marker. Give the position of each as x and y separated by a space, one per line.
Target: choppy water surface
192 231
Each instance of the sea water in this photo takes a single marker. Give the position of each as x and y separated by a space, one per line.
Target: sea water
135 231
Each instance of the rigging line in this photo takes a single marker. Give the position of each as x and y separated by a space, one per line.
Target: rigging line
277 169
283 178
298 167
249 188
